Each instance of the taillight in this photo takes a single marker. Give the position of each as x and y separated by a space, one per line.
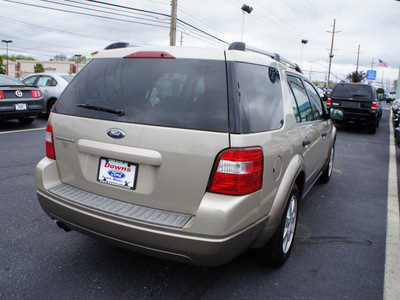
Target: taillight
36 94
237 171
2 95
329 102
374 105
50 153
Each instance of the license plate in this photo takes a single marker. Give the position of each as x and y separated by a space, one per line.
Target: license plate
21 106
116 172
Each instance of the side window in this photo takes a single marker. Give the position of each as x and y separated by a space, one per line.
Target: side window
53 82
44 81
303 104
30 81
315 101
295 108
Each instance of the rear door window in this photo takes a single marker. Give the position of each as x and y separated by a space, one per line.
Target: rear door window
182 93
304 107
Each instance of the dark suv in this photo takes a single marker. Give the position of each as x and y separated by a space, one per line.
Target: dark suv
359 103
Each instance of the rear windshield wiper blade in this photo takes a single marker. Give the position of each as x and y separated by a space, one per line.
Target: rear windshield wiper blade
116 111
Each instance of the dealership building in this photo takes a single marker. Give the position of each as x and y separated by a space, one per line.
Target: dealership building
23 68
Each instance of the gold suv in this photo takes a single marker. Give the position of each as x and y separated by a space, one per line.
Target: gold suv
195 155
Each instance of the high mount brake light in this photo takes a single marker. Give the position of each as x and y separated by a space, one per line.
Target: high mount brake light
237 171
50 153
150 54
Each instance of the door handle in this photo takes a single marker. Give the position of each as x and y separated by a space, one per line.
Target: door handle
306 142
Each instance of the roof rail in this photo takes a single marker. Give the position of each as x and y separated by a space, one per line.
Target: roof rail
117 45
242 47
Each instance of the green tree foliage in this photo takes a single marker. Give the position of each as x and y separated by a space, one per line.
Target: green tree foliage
38 68
395 84
2 67
59 57
357 76
16 57
78 59
380 91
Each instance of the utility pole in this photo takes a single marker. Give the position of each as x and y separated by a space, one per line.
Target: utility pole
330 54
172 33
358 57
372 64
7 42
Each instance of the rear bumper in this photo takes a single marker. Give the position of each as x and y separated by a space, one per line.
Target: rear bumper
357 117
179 243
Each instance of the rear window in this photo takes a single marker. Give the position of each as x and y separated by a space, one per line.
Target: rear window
352 91
183 93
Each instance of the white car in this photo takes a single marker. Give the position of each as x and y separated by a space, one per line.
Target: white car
51 85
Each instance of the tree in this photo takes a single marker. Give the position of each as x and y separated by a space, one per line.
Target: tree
78 59
38 68
2 69
395 84
60 57
356 76
380 91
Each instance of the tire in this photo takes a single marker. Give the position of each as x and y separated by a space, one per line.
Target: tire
26 120
277 250
326 175
372 127
50 106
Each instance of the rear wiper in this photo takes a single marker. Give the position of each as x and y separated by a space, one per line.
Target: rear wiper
116 111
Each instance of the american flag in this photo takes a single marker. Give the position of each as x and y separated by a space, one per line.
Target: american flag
383 64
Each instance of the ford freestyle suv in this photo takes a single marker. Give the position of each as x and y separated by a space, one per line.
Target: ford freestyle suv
359 104
195 155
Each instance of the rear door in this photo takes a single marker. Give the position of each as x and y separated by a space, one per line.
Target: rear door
144 131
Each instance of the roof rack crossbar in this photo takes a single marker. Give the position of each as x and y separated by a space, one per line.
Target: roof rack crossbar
242 47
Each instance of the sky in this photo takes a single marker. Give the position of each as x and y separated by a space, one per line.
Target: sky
45 28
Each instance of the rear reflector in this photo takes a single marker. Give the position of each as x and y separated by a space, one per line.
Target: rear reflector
2 95
50 153
150 54
237 171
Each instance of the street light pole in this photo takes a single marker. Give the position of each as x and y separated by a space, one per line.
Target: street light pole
247 9
7 42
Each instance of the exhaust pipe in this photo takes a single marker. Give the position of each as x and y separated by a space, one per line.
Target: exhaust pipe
63 226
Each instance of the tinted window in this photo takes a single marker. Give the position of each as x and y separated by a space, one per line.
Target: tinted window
352 91
9 81
315 101
182 93
257 94
30 80
304 106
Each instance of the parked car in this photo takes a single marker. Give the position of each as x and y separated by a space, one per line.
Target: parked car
195 155
359 103
18 101
396 112
391 96
51 85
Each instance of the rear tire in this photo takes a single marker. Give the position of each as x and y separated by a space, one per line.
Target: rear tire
372 127
277 250
26 120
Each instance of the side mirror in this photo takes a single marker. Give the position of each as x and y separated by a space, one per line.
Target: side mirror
336 114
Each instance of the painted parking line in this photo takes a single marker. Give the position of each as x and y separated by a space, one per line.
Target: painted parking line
392 259
24 130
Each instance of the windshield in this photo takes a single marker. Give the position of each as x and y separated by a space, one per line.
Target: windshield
183 93
9 81
352 91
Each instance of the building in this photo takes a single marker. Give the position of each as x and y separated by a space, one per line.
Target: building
23 68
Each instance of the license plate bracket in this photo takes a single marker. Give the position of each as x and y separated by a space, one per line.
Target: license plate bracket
21 106
118 173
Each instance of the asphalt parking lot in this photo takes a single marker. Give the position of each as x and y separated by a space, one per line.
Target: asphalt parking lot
345 238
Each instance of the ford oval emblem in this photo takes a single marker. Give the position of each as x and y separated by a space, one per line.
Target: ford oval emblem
116 133
116 174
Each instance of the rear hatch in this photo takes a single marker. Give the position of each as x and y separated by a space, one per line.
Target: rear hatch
143 130
353 97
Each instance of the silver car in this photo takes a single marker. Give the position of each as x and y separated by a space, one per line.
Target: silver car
190 154
51 86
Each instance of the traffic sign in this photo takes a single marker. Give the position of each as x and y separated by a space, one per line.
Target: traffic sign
371 75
